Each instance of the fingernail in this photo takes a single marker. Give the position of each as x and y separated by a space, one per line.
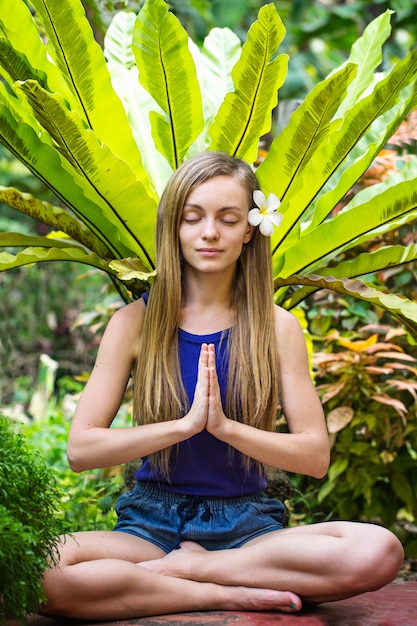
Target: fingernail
293 606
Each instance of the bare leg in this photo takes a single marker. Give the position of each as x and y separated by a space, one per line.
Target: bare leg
99 578
319 563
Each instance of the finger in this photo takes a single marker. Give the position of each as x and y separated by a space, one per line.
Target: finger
214 389
211 354
203 359
215 408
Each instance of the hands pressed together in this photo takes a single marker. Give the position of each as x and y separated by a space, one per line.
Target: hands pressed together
206 411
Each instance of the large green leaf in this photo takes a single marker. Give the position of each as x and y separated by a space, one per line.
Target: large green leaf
83 66
66 182
375 261
245 114
106 177
137 101
360 157
402 309
16 66
36 255
310 125
20 240
394 190
20 30
366 53
345 229
330 155
365 263
17 108
58 218
219 54
167 72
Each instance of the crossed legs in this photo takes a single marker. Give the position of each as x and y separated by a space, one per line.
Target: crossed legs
112 575
320 562
100 577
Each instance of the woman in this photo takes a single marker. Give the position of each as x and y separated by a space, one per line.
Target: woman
212 358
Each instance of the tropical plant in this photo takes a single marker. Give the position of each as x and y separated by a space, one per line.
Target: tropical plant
367 382
366 379
28 521
104 130
319 34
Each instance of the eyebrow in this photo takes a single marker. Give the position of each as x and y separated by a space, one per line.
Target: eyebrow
232 207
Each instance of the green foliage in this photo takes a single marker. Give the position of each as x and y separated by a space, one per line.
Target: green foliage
42 498
319 34
367 382
28 521
86 499
57 93
36 319
56 99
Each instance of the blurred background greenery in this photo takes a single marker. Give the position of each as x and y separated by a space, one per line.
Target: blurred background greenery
59 310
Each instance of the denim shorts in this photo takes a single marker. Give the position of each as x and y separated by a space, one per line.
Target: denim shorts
165 519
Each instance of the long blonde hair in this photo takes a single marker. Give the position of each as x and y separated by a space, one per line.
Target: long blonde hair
252 391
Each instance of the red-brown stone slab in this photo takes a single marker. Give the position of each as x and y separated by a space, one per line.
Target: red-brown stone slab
394 605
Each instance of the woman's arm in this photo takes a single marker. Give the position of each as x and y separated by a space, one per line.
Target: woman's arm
91 442
305 449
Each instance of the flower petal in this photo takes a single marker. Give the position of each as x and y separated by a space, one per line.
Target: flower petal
266 227
259 198
275 218
273 203
254 217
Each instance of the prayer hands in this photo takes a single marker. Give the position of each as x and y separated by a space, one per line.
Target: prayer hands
207 411
216 417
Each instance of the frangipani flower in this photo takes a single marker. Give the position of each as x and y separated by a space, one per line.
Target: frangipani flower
266 216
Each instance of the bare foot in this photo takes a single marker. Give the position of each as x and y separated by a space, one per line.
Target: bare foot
175 562
236 597
254 599
191 546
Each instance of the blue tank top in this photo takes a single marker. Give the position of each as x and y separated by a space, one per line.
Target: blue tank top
203 465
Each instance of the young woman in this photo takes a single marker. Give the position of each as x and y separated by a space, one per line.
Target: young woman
212 359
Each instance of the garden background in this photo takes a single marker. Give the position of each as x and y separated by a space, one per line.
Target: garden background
363 359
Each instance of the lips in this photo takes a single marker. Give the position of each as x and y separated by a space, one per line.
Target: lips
209 251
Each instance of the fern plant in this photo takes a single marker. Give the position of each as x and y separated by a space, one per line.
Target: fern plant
29 524
105 129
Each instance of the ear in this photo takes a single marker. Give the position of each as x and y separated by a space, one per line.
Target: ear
249 233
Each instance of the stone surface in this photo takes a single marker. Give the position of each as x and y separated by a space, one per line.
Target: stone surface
394 605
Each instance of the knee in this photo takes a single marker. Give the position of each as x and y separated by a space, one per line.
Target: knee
392 555
57 594
380 558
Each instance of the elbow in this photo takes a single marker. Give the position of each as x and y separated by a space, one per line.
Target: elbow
75 460
321 465
320 472
75 465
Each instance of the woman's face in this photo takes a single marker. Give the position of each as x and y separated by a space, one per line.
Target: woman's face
214 225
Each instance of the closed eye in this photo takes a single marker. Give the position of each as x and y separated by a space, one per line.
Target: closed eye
192 216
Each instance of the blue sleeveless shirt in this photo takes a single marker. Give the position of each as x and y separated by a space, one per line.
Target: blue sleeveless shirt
203 465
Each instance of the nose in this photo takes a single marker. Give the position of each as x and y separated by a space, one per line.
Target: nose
209 229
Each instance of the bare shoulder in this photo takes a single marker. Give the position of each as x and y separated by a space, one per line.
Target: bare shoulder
285 322
130 315
125 326
290 337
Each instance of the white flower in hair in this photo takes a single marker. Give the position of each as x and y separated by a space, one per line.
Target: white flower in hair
265 215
